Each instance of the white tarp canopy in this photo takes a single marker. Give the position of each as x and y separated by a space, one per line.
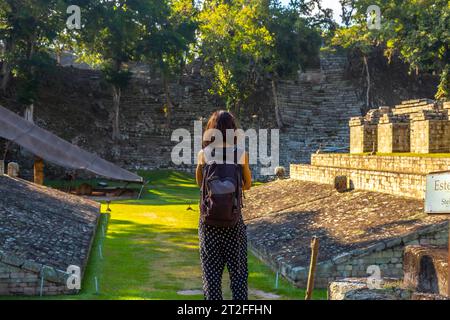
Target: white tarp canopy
50 147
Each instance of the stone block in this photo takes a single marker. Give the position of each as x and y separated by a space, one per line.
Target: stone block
32 266
426 269
363 138
342 183
12 260
338 289
30 291
358 289
13 169
341 258
430 136
393 137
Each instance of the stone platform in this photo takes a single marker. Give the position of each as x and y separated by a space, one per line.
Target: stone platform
355 229
42 232
358 289
398 175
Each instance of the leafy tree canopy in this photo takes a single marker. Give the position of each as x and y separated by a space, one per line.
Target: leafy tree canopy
418 31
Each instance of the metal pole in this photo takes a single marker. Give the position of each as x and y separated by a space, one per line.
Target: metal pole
142 189
42 286
96 285
312 267
276 280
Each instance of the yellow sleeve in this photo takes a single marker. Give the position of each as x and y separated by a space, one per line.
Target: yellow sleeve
246 174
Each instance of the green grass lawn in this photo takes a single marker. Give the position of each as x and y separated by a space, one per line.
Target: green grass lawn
150 248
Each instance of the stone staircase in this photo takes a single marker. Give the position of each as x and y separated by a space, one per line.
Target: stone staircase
316 109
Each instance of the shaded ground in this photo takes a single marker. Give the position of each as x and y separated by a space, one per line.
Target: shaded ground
284 215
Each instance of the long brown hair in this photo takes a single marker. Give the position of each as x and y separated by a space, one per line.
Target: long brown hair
221 120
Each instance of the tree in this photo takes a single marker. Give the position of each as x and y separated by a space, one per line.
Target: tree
246 42
167 48
27 27
417 31
361 40
347 10
234 39
296 45
109 39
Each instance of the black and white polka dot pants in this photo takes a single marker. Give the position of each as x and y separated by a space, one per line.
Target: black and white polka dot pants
220 247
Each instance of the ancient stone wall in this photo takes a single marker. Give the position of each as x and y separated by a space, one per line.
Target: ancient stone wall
17 281
388 256
409 107
417 126
76 105
363 136
401 164
393 134
430 133
401 184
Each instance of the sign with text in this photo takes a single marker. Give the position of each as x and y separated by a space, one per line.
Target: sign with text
437 193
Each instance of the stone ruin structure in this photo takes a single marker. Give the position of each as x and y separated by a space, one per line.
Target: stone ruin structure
415 126
365 210
356 229
314 109
41 237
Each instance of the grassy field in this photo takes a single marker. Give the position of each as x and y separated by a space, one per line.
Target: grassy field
149 249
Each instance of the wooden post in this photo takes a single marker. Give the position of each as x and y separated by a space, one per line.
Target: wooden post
38 171
312 267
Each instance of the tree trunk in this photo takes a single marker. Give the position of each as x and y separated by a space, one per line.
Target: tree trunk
168 101
6 72
277 107
58 57
29 113
6 66
366 66
237 107
116 110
